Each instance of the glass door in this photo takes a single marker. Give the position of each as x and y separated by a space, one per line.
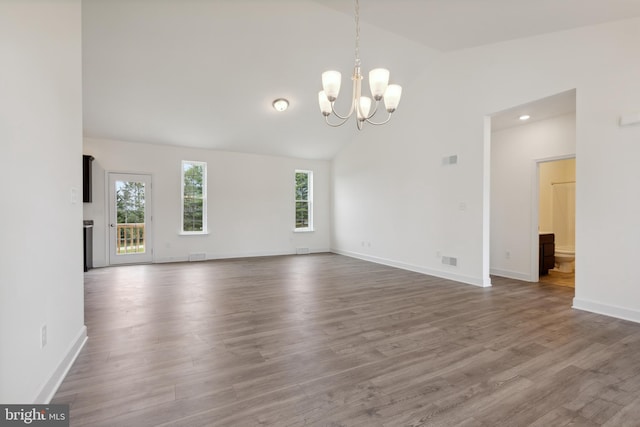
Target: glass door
130 233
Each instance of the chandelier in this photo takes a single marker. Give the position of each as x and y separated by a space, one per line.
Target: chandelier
360 105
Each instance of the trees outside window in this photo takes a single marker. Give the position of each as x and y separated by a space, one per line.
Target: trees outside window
130 216
130 202
194 197
304 200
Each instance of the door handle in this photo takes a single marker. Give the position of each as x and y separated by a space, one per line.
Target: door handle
111 225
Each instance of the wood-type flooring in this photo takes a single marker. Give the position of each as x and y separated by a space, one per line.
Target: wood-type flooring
558 278
327 340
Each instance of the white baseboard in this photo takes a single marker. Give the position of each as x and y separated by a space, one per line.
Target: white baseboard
510 274
162 260
51 387
418 269
607 310
209 257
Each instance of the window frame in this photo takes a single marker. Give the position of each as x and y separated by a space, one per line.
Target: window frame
309 201
205 229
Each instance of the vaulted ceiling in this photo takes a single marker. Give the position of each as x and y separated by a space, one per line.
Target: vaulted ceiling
203 73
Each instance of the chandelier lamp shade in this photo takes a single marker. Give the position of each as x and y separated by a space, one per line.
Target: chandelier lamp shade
361 105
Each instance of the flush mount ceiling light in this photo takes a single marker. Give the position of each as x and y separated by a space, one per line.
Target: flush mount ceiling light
524 117
280 104
361 105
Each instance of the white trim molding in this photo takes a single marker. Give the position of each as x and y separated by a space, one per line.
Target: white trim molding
511 275
51 387
475 281
607 310
238 255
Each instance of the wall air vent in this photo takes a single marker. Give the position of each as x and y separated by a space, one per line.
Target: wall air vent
450 160
449 260
198 256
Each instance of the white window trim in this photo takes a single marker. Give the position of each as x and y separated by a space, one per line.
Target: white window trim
310 228
205 226
193 233
303 230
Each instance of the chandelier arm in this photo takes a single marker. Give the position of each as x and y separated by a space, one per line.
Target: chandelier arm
335 125
379 123
353 105
375 110
338 115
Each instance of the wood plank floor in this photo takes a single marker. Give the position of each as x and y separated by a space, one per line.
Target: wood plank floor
559 278
326 340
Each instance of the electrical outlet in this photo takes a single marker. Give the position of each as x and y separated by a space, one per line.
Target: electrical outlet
43 336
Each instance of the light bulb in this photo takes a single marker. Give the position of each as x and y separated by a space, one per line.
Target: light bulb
325 104
331 84
392 97
378 82
364 107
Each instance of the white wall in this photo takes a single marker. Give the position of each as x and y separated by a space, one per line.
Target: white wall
250 201
514 152
397 204
400 164
41 277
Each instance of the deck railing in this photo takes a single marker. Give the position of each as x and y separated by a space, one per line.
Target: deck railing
130 238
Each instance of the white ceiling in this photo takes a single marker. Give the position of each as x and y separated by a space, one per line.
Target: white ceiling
448 25
203 73
539 109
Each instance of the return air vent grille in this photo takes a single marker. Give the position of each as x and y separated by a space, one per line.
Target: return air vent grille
449 260
198 256
450 160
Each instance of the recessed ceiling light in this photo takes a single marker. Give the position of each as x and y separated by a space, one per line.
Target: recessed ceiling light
280 104
524 117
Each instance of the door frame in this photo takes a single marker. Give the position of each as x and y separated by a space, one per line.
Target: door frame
535 212
148 255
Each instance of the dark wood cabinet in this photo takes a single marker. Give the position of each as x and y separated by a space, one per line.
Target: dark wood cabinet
87 227
86 178
547 258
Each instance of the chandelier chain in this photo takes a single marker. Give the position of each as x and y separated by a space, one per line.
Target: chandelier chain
357 7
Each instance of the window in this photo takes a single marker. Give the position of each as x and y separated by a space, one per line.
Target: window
304 200
194 197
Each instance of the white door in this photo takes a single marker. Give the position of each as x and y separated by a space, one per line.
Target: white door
130 231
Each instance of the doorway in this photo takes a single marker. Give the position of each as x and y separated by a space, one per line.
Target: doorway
557 218
130 231
516 141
